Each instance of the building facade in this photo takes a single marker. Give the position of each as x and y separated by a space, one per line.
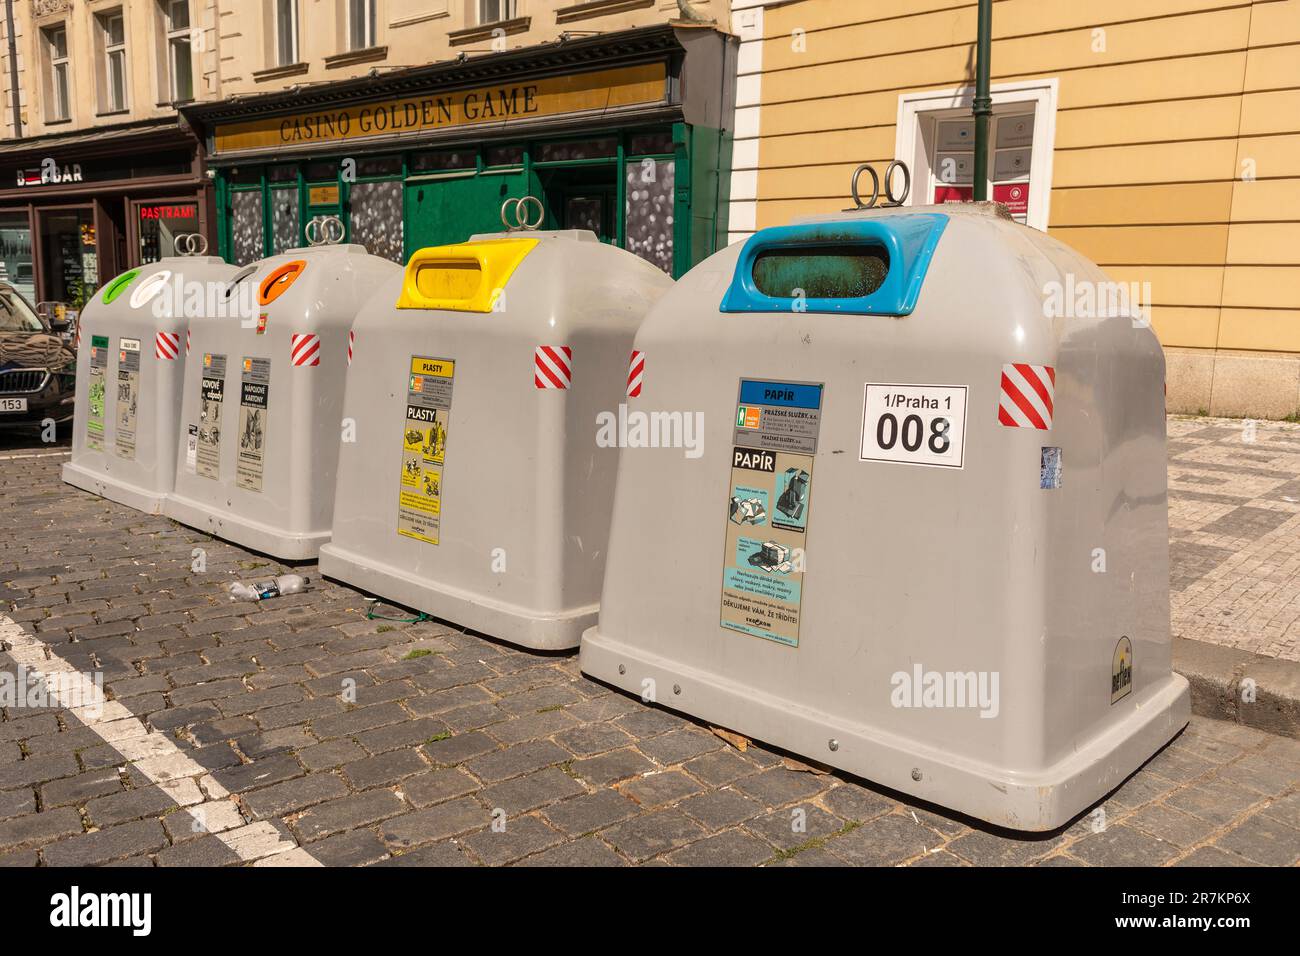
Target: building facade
413 121
96 173
1161 138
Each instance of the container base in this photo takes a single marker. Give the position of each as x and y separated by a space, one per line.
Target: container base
1036 801
250 534
141 499
508 622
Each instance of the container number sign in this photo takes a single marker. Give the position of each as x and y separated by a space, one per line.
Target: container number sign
914 424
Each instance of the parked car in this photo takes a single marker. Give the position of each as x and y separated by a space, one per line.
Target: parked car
38 367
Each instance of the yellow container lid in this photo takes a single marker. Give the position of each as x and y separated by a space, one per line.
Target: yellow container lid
465 277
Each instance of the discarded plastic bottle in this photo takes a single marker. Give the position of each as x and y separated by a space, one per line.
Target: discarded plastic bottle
272 587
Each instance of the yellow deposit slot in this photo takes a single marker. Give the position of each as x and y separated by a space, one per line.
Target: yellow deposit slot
463 277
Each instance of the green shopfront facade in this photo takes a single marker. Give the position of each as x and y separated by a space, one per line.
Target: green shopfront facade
627 134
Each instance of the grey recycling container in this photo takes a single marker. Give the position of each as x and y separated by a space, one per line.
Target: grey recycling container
477 489
260 420
927 539
130 365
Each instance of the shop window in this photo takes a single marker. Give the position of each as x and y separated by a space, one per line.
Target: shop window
443 160
285 218
381 166
361 24
656 142
112 68
606 147
158 225
321 171
494 11
71 266
56 79
180 61
245 226
375 215
648 212
282 174
286 32
16 254
503 156
936 137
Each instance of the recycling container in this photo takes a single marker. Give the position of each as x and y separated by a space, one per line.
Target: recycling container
260 421
942 563
479 488
129 373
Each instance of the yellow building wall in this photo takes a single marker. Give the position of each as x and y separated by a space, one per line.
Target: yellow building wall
1177 146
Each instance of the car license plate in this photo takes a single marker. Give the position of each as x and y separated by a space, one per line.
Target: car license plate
13 404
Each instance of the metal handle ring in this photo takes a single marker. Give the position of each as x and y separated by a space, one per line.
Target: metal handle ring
889 182
313 238
519 209
329 223
875 186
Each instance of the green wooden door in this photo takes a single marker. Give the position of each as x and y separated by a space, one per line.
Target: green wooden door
444 211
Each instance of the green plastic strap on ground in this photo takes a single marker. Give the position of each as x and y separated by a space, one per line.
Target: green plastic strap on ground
372 616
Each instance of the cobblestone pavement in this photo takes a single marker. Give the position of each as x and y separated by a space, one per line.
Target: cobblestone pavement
451 732
1234 516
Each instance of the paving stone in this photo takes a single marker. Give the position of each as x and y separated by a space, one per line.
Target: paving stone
720 767
1212 856
812 856
90 849
459 747
885 841
385 768
590 812
435 823
1121 845
654 833
730 848
332 753
649 722
37 770
438 855
39 828
938 858
1263 840
522 836
612 767
1285 810
437 786
354 848
293 795
778 786
1261 774
856 803
590 739
280 740
409 733
77 790
204 851
680 745
661 787
984 848
1172 826
530 792
15 803
1214 800
588 851
796 826
347 813
517 760
259 773
717 809
532 726
129 805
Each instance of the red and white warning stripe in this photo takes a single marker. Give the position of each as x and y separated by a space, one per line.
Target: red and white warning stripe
167 345
352 338
635 373
1026 396
304 348
187 341
552 366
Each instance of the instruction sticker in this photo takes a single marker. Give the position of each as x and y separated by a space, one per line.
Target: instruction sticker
128 395
95 393
254 394
212 390
424 447
914 424
775 438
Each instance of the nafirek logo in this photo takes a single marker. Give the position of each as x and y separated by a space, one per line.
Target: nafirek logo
76 909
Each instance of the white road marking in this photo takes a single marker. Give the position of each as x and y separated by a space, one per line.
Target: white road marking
39 454
206 802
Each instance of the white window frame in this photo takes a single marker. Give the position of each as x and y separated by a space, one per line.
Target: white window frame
1010 98
60 98
510 9
278 7
369 28
109 50
173 34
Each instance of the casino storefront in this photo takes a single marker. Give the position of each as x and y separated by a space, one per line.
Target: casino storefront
76 209
627 134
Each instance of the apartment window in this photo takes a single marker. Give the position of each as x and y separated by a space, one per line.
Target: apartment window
56 47
179 58
493 11
361 24
112 38
286 32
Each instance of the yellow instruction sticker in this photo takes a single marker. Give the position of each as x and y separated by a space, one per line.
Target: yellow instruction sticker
424 448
